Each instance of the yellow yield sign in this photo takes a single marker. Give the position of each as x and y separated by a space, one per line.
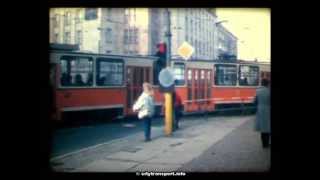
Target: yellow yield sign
185 50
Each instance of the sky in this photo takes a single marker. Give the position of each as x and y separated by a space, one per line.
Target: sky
252 27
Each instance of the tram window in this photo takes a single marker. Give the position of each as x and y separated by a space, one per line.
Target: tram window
202 74
179 69
225 75
262 75
248 75
189 75
109 72
76 71
209 75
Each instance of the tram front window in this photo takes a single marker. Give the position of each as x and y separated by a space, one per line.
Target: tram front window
248 75
225 75
76 71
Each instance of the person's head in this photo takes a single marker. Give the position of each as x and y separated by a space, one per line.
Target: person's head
265 82
147 88
78 78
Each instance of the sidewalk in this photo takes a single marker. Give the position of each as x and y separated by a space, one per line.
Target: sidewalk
239 151
132 154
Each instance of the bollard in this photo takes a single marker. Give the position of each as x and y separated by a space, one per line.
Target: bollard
168 113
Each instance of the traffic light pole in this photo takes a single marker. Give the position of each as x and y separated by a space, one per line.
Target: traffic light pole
168 35
168 95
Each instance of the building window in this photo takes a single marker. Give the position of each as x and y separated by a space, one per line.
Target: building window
131 36
126 16
91 13
79 37
67 37
109 72
248 75
78 17
196 44
126 11
76 71
179 69
109 11
225 75
135 35
55 21
126 36
67 19
56 38
108 35
202 48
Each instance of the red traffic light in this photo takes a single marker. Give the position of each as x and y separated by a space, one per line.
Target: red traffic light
162 48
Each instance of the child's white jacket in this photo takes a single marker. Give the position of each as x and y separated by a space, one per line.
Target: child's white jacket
144 105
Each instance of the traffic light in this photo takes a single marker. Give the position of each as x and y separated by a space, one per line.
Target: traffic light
161 62
162 54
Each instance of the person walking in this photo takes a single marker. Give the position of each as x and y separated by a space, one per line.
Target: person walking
262 123
177 107
145 108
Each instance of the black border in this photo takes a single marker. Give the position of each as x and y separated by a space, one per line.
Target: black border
45 126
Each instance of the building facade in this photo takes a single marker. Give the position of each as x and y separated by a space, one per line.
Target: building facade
98 30
139 30
193 25
227 43
136 31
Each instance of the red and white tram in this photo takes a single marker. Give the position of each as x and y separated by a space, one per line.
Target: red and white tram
110 84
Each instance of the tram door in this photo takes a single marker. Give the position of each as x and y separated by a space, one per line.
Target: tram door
194 89
135 78
189 89
202 90
208 89
198 89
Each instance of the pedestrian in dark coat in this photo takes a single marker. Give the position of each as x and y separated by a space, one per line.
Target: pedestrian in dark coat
262 123
177 109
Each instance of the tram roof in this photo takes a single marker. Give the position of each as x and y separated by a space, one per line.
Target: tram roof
155 57
99 54
222 61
